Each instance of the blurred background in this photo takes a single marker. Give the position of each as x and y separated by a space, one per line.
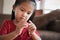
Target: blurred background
43 6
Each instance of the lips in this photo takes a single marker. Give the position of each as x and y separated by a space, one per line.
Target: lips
23 18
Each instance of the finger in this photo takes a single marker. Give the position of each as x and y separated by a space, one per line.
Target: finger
30 21
31 28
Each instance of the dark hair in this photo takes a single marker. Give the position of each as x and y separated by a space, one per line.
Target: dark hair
18 2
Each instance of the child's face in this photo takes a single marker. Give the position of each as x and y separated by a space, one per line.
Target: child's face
23 11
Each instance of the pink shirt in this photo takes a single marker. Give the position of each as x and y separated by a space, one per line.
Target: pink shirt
8 27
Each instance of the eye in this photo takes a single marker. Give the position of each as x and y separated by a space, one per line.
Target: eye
28 13
22 9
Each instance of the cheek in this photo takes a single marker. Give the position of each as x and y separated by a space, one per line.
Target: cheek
28 16
17 15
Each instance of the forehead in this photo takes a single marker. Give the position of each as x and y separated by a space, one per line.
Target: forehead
27 6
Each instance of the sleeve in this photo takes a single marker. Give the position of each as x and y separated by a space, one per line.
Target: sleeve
3 29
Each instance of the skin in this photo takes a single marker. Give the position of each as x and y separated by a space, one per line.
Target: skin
22 14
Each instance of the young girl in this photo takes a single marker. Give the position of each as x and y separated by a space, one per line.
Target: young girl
20 27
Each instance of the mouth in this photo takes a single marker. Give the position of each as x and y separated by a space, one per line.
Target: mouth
23 18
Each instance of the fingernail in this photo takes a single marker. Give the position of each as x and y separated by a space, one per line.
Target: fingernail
29 21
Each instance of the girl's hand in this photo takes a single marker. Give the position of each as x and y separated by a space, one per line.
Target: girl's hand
31 27
22 24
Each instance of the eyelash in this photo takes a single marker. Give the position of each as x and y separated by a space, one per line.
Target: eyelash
28 13
21 9
24 10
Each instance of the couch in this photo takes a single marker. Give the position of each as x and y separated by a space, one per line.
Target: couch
48 25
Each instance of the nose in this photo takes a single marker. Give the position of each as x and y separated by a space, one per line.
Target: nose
24 15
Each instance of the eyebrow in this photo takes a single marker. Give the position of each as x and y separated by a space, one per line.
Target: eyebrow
25 10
